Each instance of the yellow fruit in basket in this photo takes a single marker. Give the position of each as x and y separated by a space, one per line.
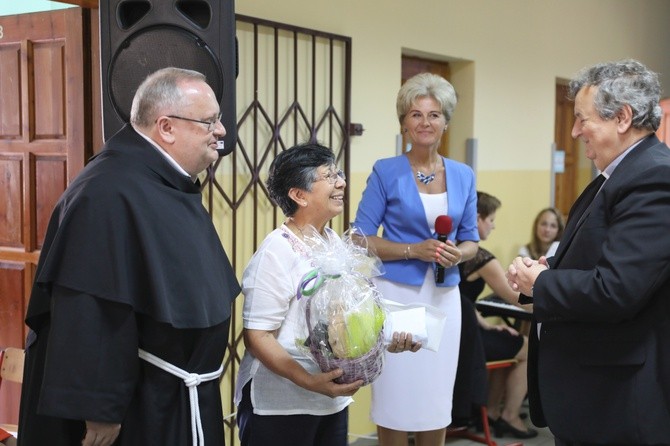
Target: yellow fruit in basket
355 334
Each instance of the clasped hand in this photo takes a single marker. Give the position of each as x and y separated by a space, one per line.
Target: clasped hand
523 272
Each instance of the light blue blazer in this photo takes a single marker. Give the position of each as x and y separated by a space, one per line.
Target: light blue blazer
391 200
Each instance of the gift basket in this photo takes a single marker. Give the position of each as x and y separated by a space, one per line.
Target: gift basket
342 308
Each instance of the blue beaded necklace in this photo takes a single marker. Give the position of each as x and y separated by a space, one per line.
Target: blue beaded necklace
426 179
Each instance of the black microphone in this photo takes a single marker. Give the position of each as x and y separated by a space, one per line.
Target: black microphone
443 224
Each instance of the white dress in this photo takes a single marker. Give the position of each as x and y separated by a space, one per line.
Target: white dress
414 391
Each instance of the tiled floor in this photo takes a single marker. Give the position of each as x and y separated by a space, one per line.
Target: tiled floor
544 438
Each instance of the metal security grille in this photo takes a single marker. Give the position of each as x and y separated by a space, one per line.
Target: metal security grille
293 86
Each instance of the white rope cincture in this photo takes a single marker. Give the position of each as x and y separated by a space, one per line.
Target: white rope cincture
192 381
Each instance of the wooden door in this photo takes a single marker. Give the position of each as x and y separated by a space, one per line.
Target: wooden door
415 65
566 182
43 140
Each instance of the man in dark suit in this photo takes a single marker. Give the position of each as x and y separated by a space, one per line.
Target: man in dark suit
599 359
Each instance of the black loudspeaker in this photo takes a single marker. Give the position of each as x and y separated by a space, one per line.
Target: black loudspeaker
138 37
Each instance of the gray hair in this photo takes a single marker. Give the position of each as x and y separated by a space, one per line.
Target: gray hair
426 85
625 82
159 94
296 167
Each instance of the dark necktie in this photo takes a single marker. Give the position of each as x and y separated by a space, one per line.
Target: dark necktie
583 202
576 212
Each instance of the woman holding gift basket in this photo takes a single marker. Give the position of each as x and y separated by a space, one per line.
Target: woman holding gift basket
405 195
283 397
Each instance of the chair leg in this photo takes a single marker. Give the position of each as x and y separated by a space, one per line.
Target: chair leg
486 439
485 425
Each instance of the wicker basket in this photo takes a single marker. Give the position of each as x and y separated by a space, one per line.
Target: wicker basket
366 367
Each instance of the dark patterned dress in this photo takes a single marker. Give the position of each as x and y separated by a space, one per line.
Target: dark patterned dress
477 345
497 344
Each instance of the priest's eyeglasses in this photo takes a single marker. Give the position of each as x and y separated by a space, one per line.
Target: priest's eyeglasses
211 125
332 177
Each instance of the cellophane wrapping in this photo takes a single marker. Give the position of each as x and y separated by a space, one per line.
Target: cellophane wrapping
342 309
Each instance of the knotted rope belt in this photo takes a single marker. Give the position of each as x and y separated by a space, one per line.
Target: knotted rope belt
192 381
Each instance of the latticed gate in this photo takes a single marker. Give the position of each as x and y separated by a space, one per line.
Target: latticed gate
293 86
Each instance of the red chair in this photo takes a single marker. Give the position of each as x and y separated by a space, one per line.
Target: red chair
486 437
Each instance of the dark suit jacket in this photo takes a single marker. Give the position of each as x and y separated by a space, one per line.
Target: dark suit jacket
600 372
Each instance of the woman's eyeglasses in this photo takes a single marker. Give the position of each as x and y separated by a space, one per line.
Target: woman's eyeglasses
332 177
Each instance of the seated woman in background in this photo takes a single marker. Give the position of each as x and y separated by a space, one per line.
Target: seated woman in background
546 233
499 341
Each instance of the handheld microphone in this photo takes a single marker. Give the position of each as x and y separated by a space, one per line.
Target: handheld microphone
443 224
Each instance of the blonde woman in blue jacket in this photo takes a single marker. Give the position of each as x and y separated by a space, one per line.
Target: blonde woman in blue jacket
404 195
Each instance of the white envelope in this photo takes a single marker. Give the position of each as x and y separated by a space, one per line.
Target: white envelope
424 322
